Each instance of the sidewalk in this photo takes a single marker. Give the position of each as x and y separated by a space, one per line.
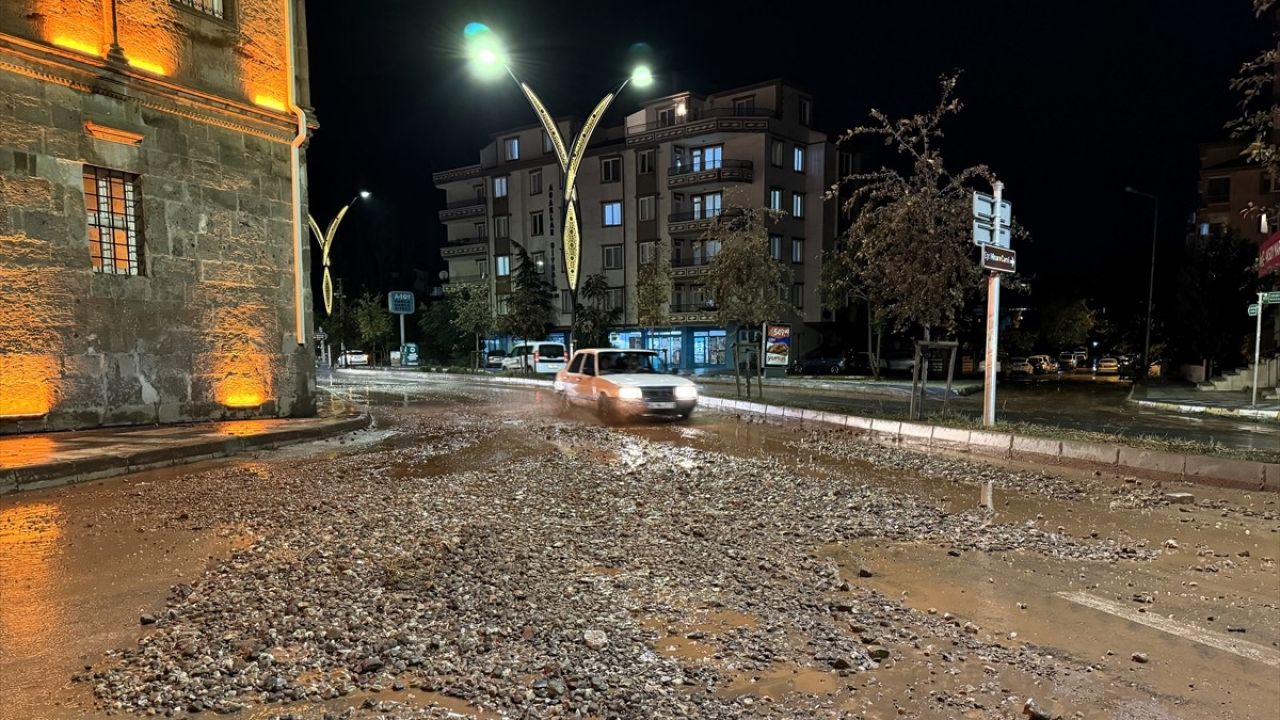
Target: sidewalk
37 460
1188 400
937 386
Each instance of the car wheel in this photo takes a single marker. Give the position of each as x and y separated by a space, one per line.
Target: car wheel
835 370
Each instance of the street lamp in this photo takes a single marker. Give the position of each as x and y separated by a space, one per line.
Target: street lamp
326 241
1151 282
489 60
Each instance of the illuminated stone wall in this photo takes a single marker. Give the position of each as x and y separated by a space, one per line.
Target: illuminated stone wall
208 330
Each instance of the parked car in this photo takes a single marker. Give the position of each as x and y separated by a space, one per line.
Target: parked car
902 363
493 359
1108 366
861 363
538 357
826 361
625 383
353 358
1067 361
1043 364
1020 366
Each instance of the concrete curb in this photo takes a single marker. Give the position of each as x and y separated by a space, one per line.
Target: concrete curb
1149 464
1186 409
67 472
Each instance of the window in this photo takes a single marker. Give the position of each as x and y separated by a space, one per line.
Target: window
666 117
114 220
806 111
706 206
576 365
482 230
775 247
566 301
613 298
482 267
644 159
535 181
536 225
503 265
612 257
797 158
502 226
797 250
775 198
546 142
589 364
479 193
797 295
504 307
797 204
612 213
775 153
610 169
216 8
744 105
645 207
648 252
710 157
500 186
539 260
1217 190
512 148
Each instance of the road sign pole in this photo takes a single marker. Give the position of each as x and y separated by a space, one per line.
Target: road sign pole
993 331
402 339
1257 349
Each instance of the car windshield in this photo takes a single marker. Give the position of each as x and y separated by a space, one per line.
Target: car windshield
551 351
628 362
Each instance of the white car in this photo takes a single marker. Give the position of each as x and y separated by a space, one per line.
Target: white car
1020 366
1108 366
625 383
353 358
538 357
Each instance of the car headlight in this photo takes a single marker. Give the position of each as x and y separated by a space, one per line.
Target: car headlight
686 392
629 393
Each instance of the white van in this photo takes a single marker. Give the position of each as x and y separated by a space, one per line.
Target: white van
538 357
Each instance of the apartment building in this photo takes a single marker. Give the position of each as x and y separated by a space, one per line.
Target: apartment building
153 256
664 174
1235 194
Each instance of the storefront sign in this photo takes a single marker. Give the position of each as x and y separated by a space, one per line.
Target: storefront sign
777 345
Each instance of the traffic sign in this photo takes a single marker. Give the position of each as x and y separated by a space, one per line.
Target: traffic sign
321 336
400 302
991 220
1254 309
1271 298
999 259
984 206
984 233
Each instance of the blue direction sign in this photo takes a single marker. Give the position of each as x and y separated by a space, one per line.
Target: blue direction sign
400 302
991 220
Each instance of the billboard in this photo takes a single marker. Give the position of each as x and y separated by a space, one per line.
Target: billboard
1269 255
777 345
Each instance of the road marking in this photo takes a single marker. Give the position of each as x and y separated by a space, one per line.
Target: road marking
1243 648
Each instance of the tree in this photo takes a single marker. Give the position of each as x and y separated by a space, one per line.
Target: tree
1067 325
1258 104
341 325
653 289
529 311
594 318
1215 282
750 287
372 322
909 250
445 343
473 313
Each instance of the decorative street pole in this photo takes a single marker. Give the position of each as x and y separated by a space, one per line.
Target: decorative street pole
486 53
326 242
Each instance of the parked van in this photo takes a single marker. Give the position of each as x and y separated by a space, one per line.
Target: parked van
538 357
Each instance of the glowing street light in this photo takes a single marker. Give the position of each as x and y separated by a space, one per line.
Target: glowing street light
326 241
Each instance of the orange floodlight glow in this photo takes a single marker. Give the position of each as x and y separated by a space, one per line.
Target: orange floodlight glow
79 46
269 102
147 66
27 385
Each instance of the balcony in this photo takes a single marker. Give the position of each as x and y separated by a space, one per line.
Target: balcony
696 220
464 247
697 310
464 209
463 173
722 171
701 122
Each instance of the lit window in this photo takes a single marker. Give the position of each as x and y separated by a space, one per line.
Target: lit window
216 8
775 247
612 213
535 182
797 158
536 224
502 226
797 250
503 265
500 186
645 161
775 198
610 169
512 147
114 220
710 157
644 207
706 206
612 257
797 205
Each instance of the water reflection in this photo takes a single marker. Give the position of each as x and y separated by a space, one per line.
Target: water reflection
29 547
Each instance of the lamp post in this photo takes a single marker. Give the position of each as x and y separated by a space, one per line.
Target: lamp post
326 242
488 59
1151 281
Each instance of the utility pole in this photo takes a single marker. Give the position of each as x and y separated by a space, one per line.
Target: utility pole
993 329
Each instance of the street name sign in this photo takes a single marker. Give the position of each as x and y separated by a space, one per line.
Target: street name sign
1271 298
400 302
1254 309
321 336
999 259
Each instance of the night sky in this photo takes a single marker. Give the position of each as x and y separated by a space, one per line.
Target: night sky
1067 102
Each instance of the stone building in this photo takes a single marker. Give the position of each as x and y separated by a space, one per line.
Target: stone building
661 176
153 256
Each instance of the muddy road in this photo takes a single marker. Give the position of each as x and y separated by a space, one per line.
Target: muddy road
478 555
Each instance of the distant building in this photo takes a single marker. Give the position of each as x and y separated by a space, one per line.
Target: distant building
153 260
1235 194
664 175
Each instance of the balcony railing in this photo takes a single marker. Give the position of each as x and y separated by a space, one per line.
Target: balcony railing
465 203
693 307
687 215
703 166
694 261
695 115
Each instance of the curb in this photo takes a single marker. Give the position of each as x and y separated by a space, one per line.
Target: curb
1249 413
1147 464
68 472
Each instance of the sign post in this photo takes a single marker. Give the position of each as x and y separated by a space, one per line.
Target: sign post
401 303
992 223
1255 310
